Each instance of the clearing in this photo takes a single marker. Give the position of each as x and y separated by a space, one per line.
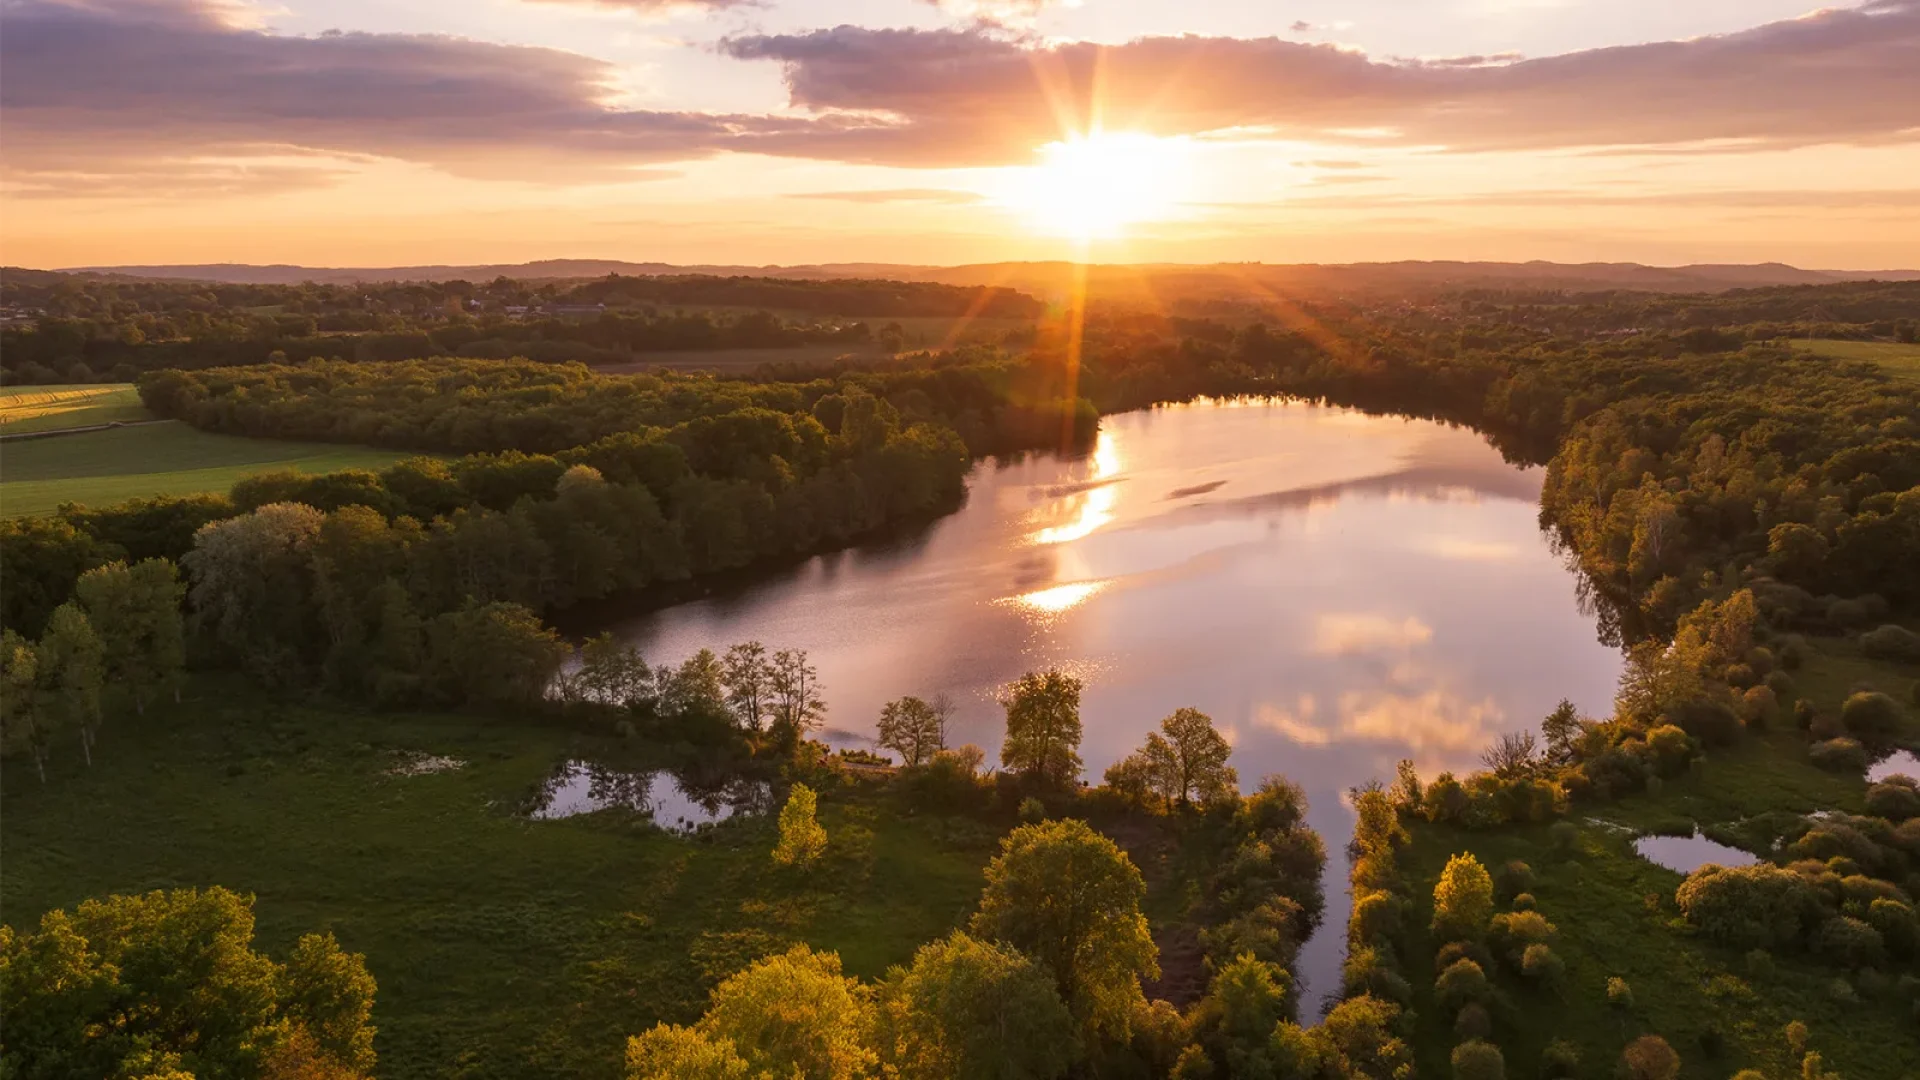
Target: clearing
49 408
100 468
1900 360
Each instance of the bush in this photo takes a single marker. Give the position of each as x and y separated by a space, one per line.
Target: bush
1542 965
1462 950
1463 898
1872 715
1847 614
1741 676
1760 906
1461 984
1516 877
1524 902
1891 642
1839 755
1478 1060
1512 932
1793 653
1782 685
1804 714
1671 748
1898 925
1565 838
1759 963
1649 1058
1619 994
1826 726
1032 810
1796 1035
1896 798
1560 1060
1849 941
1756 707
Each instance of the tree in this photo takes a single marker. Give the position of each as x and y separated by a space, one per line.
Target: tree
1649 1058
1246 1000
1463 898
794 1015
252 586
802 838
139 985
611 672
71 675
748 678
671 1052
1190 759
1512 756
913 728
974 1010
22 727
1043 727
1478 1060
136 612
1068 897
492 654
797 705
1562 729
695 688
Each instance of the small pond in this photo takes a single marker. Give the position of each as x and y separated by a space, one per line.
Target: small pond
1685 854
1902 763
584 787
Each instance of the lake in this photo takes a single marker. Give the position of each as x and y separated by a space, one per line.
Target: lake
1337 591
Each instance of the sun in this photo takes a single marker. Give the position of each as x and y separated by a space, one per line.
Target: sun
1092 187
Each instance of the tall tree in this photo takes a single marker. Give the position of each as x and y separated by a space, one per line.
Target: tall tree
252 588
1043 727
22 727
747 675
797 705
136 612
973 1010
1188 757
794 1015
71 675
1068 897
913 728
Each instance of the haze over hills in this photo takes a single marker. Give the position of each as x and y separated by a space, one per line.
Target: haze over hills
1112 281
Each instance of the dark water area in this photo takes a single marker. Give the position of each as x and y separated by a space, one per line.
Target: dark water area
584 787
1685 854
1337 591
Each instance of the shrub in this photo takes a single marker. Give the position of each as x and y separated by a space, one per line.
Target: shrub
1741 676
1895 798
1781 684
1759 963
1796 1035
1649 1058
1560 1060
1839 755
1515 877
1849 941
1444 800
1463 898
802 840
1478 1060
1473 1022
1511 933
1804 714
1871 715
1826 726
1898 926
1032 810
1461 984
1793 653
1565 837
1759 906
1542 965
1462 950
1619 994
1847 614
1671 747
1757 705
1524 902
1375 916
1891 642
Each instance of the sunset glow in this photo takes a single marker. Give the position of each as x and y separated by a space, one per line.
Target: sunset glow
1092 188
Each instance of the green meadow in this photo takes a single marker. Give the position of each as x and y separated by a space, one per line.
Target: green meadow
50 408
1900 360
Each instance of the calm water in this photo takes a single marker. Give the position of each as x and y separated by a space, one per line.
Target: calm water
1337 591
1899 763
1685 854
584 787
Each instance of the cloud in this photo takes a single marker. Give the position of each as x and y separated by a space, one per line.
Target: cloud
1434 721
890 195
976 96
1000 12
1347 635
93 87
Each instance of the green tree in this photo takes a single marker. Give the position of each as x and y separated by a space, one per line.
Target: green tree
492 654
1649 1058
611 672
1246 1000
136 612
671 1052
1463 898
797 705
1562 729
22 727
1478 1060
973 1010
913 728
1043 727
1188 758
794 1015
748 676
251 589
802 838
169 983
1068 897
71 675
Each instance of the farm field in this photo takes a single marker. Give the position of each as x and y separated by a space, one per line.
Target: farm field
99 468
1616 917
49 408
503 946
1901 361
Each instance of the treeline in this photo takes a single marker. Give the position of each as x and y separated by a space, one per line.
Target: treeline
1864 309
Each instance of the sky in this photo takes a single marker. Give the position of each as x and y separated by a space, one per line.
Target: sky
403 132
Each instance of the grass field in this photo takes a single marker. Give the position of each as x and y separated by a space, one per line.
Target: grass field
1901 361
99 468
47 408
1616 917
503 947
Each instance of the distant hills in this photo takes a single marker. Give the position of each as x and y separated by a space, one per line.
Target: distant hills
1110 281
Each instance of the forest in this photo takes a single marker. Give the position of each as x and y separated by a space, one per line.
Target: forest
1744 516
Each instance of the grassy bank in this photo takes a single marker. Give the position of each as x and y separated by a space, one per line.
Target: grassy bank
1616 917
503 946
1901 361
100 468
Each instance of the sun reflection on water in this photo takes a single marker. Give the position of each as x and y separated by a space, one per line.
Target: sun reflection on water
1096 503
1059 598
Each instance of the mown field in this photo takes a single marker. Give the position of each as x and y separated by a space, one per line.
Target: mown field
503 946
1616 917
99 468
49 408
1902 361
